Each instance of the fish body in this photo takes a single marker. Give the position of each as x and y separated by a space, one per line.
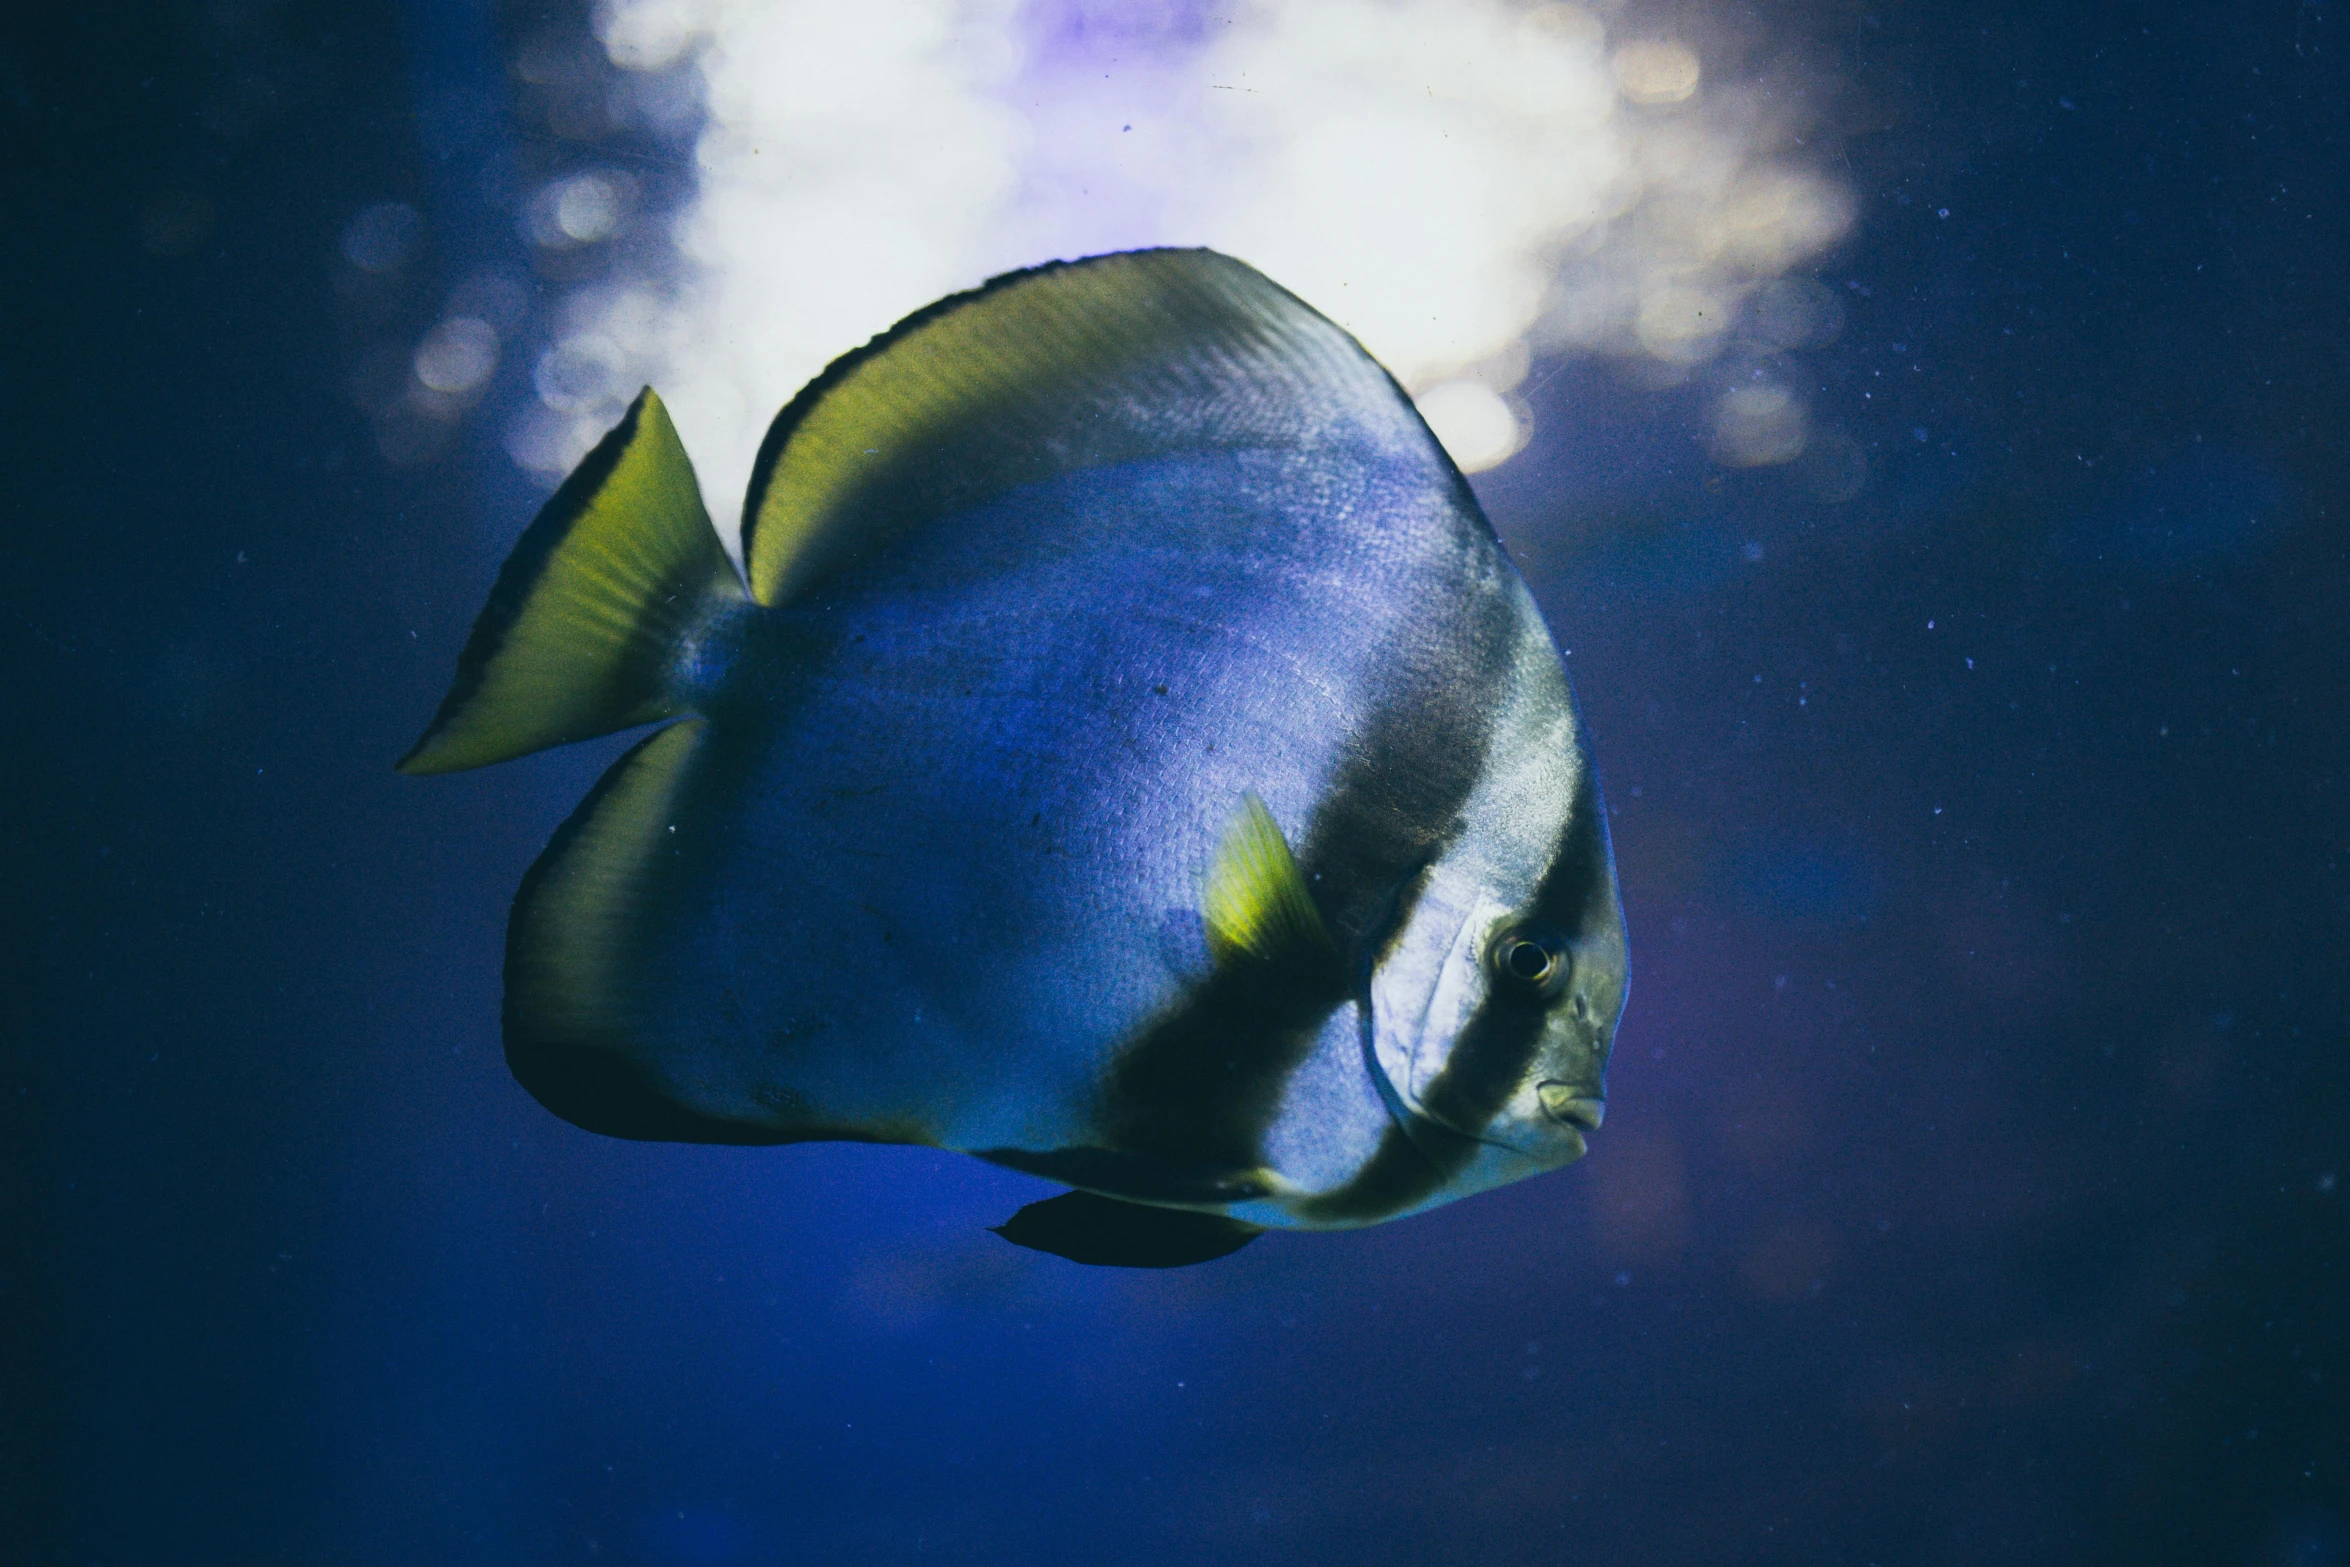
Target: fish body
1131 760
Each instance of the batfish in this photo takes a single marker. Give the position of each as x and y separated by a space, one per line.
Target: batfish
1125 754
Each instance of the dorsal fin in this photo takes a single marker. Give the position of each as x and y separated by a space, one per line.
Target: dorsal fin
581 632
1255 901
1067 366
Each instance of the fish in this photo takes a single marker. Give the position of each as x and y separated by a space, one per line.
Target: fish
1125 753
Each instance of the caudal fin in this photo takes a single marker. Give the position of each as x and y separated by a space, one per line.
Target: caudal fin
582 632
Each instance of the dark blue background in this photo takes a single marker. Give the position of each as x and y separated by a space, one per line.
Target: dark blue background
1976 1183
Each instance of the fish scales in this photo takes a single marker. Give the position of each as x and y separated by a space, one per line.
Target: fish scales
1144 564
964 724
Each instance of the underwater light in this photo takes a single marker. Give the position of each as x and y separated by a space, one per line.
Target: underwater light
1460 183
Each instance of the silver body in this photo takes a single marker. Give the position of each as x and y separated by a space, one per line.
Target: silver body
937 858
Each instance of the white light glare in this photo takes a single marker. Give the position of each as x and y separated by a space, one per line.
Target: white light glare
1455 181
1655 70
1475 423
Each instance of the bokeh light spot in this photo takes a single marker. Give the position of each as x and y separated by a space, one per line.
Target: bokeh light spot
458 355
1755 426
587 209
1476 423
582 209
1456 182
1656 71
1681 324
581 375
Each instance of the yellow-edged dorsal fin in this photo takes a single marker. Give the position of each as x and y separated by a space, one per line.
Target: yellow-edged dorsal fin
1255 902
1064 367
582 631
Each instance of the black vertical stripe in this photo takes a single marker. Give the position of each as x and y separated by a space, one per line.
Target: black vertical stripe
1206 1080
1489 1059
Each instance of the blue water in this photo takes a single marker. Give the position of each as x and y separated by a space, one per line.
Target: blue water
1973 1185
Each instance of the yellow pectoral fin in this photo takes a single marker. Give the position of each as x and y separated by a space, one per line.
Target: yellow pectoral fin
1255 902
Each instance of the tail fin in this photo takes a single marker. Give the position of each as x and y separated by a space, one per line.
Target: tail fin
581 634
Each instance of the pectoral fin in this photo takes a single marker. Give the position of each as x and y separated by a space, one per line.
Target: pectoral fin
1255 902
1106 1233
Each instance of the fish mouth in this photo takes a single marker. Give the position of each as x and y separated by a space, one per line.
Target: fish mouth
1570 1104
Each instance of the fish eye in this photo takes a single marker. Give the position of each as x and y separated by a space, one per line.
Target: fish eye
1530 959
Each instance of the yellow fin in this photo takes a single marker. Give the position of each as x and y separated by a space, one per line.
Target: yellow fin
579 945
1064 367
1255 902
582 630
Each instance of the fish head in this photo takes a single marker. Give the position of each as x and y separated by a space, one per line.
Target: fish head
1493 999
1493 1019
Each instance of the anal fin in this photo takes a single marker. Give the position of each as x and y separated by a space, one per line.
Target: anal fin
1103 1232
581 974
